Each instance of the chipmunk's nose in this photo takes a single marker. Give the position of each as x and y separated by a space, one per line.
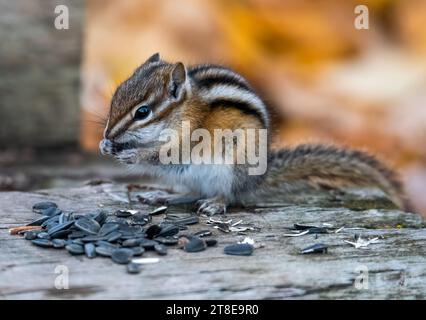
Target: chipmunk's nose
105 147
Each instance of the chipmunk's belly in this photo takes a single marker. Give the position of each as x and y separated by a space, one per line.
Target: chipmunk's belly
208 180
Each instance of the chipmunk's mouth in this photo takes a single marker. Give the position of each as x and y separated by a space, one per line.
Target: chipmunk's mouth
120 147
108 147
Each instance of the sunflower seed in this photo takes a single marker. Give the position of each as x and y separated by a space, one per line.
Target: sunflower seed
90 250
122 255
75 248
123 213
140 219
137 251
50 222
168 241
148 244
31 235
195 244
158 211
132 242
78 241
107 244
211 242
87 225
114 236
59 243
45 243
108 228
168 230
310 228
316 248
130 231
93 238
61 218
39 221
114 219
160 249
99 216
153 231
134 268
39 206
59 227
239 249
43 235
104 251
51 212
77 234
299 226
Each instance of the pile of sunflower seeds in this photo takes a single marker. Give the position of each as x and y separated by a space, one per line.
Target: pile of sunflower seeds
122 237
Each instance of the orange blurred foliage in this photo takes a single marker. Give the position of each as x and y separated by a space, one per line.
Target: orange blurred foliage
327 80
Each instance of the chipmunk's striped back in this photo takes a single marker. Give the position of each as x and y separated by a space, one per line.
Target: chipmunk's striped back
220 86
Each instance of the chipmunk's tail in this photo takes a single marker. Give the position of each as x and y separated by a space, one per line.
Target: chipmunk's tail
333 167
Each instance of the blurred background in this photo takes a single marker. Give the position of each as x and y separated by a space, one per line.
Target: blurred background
326 80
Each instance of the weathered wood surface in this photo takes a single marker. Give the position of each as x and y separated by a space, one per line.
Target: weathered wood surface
40 72
396 265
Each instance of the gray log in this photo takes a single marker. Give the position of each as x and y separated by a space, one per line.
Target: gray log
39 74
396 264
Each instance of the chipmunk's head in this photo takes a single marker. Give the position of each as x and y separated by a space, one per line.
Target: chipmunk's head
142 107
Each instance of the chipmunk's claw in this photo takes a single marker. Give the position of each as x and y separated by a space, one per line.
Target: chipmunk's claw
212 206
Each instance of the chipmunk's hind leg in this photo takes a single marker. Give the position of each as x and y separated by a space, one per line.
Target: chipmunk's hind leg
162 197
212 206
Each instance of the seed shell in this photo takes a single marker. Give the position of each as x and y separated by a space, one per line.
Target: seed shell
160 249
90 250
122 255
195 244
59 243
45 243
239 249
153 231
316 248
88 225
158 211
75 248
39 206
134 268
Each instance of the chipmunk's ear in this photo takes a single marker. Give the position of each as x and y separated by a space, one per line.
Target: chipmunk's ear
154 58
178 78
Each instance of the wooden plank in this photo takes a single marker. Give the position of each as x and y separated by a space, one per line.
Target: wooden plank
40 73
396 264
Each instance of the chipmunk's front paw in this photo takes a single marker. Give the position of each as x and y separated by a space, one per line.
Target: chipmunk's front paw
212 206
105 147
128 156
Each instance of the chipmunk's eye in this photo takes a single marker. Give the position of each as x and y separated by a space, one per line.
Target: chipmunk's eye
142 113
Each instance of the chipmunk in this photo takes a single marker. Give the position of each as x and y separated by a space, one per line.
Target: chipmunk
162 95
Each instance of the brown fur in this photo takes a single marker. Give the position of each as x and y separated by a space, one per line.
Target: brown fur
314 165
321 165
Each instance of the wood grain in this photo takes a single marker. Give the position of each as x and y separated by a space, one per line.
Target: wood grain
396 264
